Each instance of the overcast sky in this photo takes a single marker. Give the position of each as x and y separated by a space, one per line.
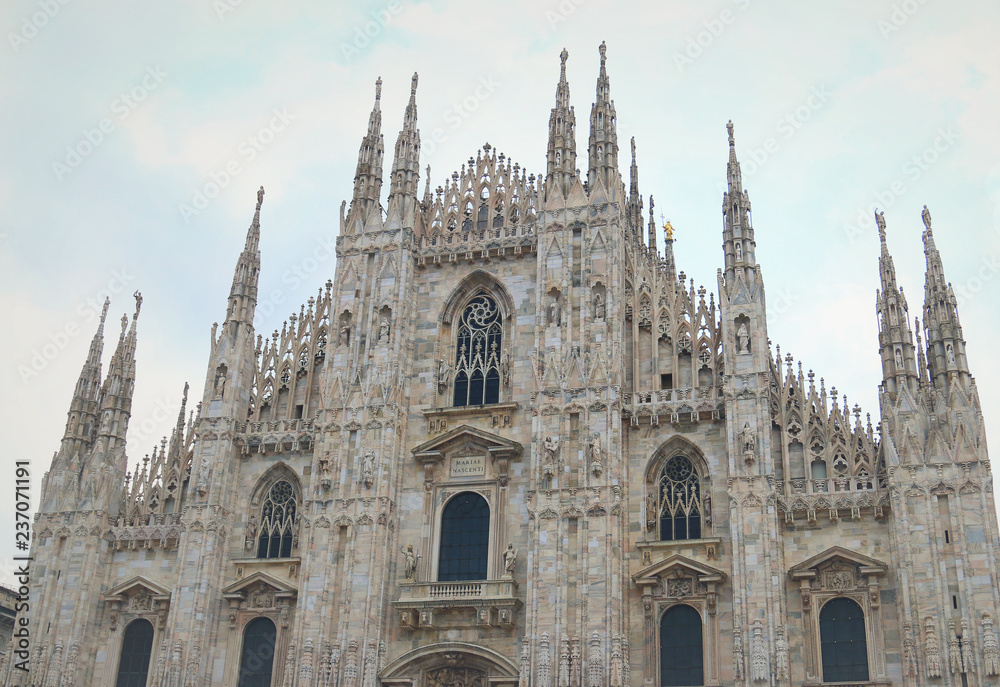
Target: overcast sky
117 115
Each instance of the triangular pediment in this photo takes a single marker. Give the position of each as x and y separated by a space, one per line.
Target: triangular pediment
661 570
496 446
134 585
869 565
253 582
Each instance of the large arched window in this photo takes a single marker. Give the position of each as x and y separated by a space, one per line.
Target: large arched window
842 640
277 522
258 653
681 658
478 353
465 538
680 506
137 645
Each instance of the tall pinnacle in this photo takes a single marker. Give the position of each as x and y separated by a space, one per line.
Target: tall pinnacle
946 356
603 148
368 176
116 392
899 358
737 236
633 208
405 175
82 414
243 294
560 168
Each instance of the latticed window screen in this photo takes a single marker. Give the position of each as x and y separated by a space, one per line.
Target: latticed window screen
477 356
465 538
137 645
277 522
257 659
681 654
679 500
842 640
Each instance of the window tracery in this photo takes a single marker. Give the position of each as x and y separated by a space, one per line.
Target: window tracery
678 502
478 353
278 516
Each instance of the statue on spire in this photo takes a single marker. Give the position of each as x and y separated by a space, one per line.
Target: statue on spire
138 304
880 221
926 216
260 197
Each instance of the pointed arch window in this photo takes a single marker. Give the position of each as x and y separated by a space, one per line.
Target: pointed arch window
277 522
257 660
843 642
465 538
478 352
680 506
137 646
682 662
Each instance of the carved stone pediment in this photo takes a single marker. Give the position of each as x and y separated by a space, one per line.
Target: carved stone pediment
678 567
260 588
835 567
137 592
493 445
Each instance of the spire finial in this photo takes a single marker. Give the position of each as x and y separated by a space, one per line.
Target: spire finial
260 197
604 53
563 56
926 216
413 85
732 139
880 221
104 312
378 89
138 304
633 149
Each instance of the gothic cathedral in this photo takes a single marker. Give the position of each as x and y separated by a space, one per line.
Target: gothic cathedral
509 444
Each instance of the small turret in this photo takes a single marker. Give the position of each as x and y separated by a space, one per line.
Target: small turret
368 176
737 239
243 294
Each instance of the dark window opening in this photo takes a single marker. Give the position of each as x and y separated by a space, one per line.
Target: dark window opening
954 602
465 538
298 412
277 522
666 381
478 351
137 647
947 539
681 654
679 500
257 659
842 640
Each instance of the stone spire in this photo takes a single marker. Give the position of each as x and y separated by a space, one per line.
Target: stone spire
368 176
603 148
945 345
652 228
243 294
81 420
561 156
899 363
405 179
116 392
737 237
633 211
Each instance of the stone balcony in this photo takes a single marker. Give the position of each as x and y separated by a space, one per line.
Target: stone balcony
685 404
444 604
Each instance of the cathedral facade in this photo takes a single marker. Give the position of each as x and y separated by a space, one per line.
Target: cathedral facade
509 444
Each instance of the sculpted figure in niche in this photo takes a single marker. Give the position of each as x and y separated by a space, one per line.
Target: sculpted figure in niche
509 559
899 359
950 352
220 385
739 252
345 333
383 331
749 439
368 468
596 457
551 449
505 368
743 339
409 562
555 311
598 306
444 375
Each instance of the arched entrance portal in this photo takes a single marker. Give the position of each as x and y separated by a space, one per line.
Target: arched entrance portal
451 664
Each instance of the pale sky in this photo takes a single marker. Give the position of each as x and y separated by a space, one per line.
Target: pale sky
838 107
